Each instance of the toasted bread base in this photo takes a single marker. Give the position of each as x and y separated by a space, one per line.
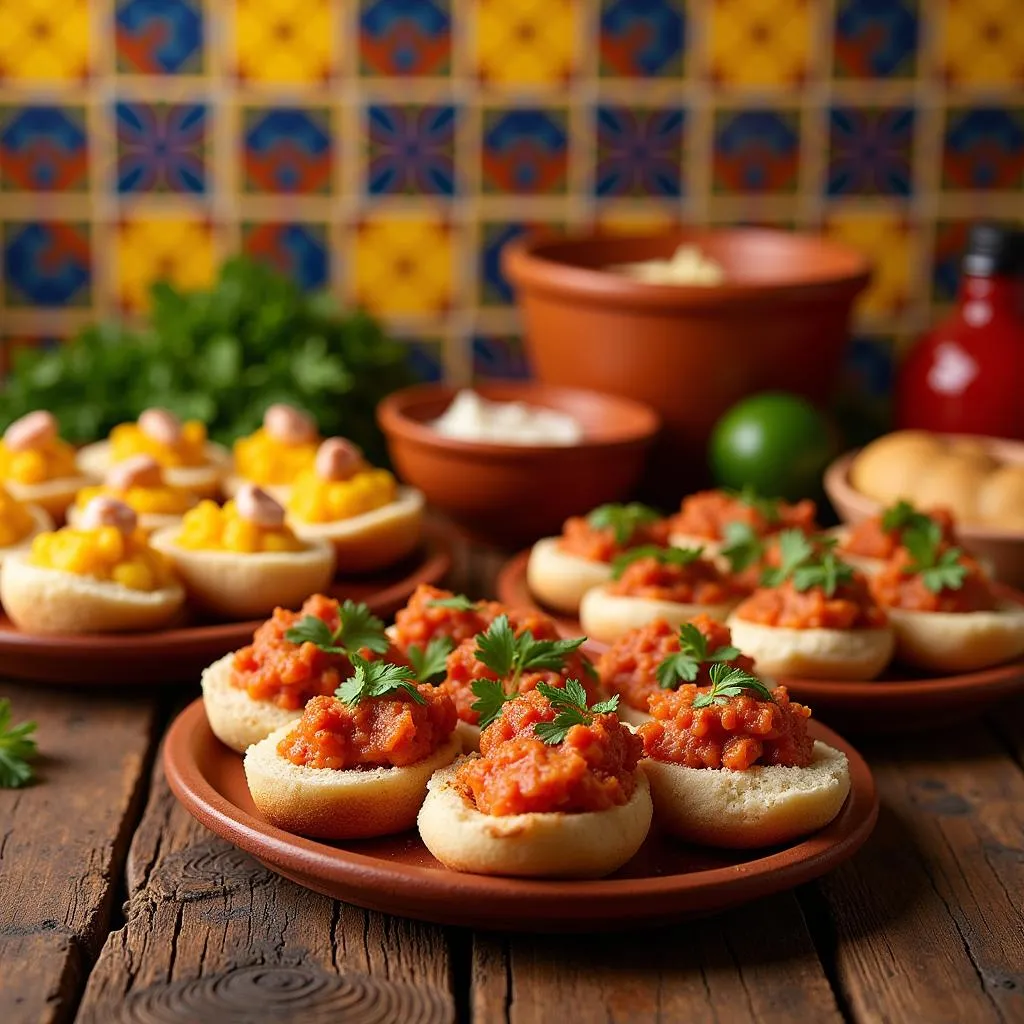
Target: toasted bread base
373 540
559 580
762 806
49 601
606 616
53 496
534 845
348 804
41 523
204 481
234 585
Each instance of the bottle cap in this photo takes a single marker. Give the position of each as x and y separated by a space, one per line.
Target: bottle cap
994 248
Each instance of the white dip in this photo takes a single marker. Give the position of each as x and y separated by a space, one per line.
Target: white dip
687 265
472 418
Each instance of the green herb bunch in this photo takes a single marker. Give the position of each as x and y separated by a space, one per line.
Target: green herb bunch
940 569
808 562
727 682
622 520
684 665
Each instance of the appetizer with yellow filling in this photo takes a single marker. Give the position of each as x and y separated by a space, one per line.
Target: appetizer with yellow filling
732 765
293 657
37 467
370 520
562 569
189 460
274 456
555 792
651 583
139 482
943 608
20 522
357 763
242 560
99 577
657 657
814 617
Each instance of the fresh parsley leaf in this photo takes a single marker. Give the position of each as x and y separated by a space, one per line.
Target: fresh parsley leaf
490 699
508 656
496 647
664 556
743 547
794 550
827 572
377 679
902 516
684 665
358 628
16 749
430 664
311 630
767 507
545 655
458 602
623 520
570 705
938 570
727 682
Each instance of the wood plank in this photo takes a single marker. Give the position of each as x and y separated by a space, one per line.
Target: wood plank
927 918
210 934
756 963
63 842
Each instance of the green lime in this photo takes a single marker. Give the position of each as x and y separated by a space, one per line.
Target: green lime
775 442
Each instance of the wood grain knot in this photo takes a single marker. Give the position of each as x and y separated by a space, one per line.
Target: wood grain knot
206 869
267 992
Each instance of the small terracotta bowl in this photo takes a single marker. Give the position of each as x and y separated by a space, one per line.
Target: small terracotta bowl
1003 550
513 494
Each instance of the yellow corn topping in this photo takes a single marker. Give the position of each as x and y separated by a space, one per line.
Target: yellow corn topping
37 465
208 527
165 500
104 554
315 500
15 520
264 460
127 440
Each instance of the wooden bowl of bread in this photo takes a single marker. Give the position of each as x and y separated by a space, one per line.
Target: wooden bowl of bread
979 479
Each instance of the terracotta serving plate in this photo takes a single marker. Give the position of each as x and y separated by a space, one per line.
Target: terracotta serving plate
903 701
665 881
178 654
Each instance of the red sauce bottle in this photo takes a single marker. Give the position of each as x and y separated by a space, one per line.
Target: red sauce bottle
966 376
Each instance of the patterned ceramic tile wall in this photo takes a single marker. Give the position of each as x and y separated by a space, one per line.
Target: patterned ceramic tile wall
388 148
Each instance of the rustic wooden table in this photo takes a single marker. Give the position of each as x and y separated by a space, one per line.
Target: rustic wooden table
116 906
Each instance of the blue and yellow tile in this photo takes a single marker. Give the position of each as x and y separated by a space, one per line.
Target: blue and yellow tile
287 150
425 357
159 37
286 42
876 38
639 151
410 150
45 41
499 357
525 151
757 43
871 151
756 151
494 288
983 148
529 43
161 147
298 250
43 149
48 264
405 38
982 43
948 251
642 38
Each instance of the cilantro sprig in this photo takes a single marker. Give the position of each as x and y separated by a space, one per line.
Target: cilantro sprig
457 602
939 570
663 556
622 520
16 749
377 679
742 546
357 628
684 665
808 564
491 697
429 663
903 516
570 705
769 508
727 682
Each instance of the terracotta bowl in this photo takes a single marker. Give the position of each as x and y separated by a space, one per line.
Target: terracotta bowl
1002 549
778 322
511 494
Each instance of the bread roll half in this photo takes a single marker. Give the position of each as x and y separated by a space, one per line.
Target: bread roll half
558 579
762 806
53 496
352 803
41 523
236 719
814 653
606 617
958 641
40 600
533 845
204 481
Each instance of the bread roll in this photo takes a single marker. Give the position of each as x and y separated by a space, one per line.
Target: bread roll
204 481
53 496
532 845
1001 499
559 579
605 616
41 523
889 469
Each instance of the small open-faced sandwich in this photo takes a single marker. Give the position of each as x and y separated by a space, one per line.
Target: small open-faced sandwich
704 518
562 569
370 520
511 656
99 577
274 456
20 523
660 656
649 583
293 657
139 482
554 793
732 765
37 467
432 613
943 608
814 617
356 764
241 560
189 459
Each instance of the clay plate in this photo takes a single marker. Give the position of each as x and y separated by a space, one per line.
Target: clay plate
903 701
665 881
174 655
